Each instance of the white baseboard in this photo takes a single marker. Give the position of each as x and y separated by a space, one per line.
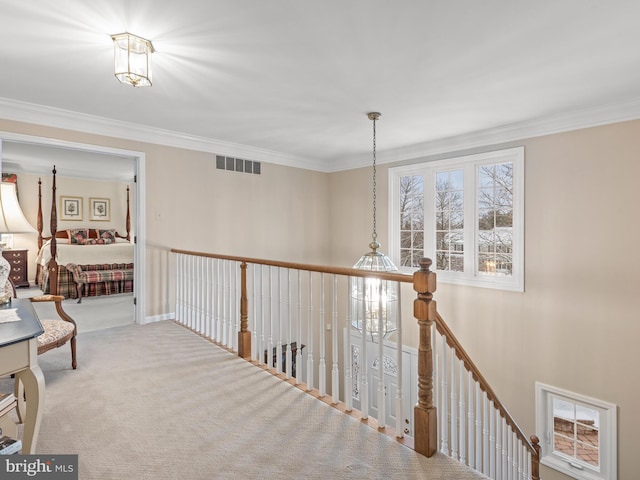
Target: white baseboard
158 318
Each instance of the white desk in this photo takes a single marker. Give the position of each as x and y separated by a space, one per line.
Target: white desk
19 356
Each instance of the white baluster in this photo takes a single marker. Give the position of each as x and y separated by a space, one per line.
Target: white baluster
279 324
199 294
486 441
364 364
288 348
399 406
382 412
479 423
462 413
322 367
454 403
498 451
234 300
253 320
513 459
492 440
270 345
189 318
471 432
444 388
209 296
299 340
179 287
346 349
310 365
335 372
505 447
261 338
219 298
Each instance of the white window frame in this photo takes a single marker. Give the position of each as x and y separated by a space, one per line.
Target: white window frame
470 165
607 438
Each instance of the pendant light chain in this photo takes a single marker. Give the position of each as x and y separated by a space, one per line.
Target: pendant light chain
375 234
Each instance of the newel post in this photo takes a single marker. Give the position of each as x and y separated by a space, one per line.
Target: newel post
424 309
244 335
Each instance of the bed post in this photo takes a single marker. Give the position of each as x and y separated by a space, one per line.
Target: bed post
53 226
39 220
128 224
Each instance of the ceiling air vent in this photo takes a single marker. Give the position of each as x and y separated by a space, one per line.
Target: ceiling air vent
237 165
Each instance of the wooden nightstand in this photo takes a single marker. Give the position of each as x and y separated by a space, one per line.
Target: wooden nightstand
18 261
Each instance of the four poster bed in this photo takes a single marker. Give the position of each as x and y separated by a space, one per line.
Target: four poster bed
89 261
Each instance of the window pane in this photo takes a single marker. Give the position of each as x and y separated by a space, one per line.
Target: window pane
411 219
405 239
588 455
495 219
564 445
449 203
418 240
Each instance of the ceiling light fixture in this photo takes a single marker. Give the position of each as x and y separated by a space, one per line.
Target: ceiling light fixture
132 59
378 315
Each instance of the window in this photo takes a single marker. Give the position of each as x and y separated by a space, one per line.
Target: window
577 433
466 214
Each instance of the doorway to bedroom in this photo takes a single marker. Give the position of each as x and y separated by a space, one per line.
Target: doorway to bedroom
99 190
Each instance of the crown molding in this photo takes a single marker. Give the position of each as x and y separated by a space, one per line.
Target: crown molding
55 117
561 122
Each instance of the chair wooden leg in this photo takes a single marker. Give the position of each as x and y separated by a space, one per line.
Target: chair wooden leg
74 364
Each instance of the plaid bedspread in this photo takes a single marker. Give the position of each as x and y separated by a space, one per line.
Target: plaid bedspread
67 287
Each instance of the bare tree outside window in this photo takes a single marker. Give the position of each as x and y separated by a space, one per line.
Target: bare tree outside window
495 219
411 220
449 203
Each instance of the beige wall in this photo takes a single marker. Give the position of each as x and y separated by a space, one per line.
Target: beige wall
574 325
281 214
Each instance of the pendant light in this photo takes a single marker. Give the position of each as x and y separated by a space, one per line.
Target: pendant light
374 301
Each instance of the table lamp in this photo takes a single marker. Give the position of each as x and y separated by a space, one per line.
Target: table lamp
12 220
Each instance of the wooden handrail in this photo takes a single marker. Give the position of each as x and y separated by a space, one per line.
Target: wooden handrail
352 272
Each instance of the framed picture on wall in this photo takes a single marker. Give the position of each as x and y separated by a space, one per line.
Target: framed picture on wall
99 209
71 208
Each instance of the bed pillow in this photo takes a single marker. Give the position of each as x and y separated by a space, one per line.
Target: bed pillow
109 235
78 235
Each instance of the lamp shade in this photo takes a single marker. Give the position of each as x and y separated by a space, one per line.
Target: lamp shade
12 220
132 59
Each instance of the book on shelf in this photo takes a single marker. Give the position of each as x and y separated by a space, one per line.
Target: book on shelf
9 446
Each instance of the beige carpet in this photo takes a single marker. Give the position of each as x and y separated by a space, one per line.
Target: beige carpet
94 313
159 402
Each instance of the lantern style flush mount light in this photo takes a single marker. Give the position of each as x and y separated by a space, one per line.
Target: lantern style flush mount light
374 300
132 59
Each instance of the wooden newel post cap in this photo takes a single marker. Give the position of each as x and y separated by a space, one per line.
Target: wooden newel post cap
424 280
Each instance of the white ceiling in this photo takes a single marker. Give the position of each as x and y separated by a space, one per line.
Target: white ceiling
291 81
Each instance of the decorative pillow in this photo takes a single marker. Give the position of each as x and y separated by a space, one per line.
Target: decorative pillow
77 235
107 235
89 241
103 241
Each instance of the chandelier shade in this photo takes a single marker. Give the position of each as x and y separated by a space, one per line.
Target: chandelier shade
374 301
12 220
132 59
